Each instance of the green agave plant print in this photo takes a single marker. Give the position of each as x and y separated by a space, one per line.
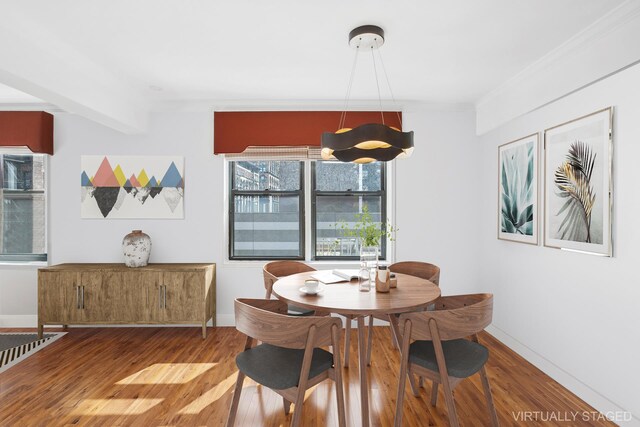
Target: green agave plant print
573 180
518 190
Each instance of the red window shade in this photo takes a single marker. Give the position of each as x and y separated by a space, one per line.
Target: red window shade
233 132
33 129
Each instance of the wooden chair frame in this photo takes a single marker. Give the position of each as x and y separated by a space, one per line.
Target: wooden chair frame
424 270
267 321
272 271
454 317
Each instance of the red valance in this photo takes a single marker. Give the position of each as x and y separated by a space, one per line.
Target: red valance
234 131
32 129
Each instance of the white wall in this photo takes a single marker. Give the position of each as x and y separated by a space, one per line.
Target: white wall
575 315
438 175
437 197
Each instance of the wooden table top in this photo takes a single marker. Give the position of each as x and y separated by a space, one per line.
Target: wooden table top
411 294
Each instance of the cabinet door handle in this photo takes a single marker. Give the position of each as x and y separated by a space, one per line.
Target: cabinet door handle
164 292
160 296
82 295
78 297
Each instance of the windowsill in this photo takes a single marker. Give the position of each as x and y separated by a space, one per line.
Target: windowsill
24 264
258 263
324 263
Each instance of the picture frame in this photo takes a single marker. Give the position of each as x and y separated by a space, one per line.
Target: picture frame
578 184
131 187
518 165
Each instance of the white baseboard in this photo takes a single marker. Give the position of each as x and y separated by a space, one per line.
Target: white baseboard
573 384
225 320
229 320
31 321
18 321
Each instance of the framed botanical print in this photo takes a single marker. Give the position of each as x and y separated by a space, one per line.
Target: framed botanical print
578 184
518 190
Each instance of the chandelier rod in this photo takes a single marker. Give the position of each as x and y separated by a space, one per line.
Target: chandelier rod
375 72
393 98
343 115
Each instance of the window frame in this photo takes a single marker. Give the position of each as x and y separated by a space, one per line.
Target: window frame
28 259
382 193
231 211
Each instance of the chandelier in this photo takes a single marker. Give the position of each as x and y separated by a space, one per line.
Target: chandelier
372 141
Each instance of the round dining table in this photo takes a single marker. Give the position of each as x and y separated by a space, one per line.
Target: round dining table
411 294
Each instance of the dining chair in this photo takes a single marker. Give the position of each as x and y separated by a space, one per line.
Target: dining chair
441 352
289 359
272 271
424 270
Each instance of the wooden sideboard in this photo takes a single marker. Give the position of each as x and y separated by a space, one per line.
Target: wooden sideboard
115 294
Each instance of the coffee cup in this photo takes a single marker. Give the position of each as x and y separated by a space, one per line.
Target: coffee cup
311 286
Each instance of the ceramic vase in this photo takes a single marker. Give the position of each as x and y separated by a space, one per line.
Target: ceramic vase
137 248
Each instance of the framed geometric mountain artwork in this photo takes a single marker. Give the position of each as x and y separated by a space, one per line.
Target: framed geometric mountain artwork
113 187
578 185
518 190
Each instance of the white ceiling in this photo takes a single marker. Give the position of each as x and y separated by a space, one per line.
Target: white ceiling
436 51
9 95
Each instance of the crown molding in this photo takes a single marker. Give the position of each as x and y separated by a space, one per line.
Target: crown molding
30 106
598 51
199 105
434 107
210 105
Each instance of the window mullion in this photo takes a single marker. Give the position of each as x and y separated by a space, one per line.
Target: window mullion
309 216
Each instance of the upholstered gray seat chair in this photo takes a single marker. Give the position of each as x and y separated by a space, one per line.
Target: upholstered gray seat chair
441 351
289 359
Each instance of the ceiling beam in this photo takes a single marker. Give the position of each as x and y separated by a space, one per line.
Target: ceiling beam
602 49
36 62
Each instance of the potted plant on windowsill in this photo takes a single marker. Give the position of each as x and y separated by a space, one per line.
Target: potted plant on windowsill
368 232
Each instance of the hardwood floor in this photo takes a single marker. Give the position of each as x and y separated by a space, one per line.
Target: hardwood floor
171 377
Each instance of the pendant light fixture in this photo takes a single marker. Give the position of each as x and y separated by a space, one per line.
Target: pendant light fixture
372 141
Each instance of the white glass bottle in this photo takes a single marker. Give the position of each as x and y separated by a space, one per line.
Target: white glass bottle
364 280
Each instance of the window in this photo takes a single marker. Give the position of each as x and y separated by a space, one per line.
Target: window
22 208
340 193
267 208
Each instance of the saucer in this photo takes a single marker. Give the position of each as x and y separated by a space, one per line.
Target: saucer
304 290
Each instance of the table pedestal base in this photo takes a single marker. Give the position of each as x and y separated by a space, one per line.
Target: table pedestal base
362 366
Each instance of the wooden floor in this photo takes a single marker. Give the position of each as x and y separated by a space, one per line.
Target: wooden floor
171 377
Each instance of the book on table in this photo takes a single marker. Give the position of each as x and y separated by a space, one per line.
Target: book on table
336 276
347 274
